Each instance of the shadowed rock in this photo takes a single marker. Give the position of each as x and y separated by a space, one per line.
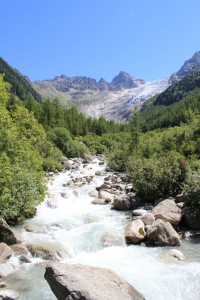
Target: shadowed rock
88 283
163 234
7 235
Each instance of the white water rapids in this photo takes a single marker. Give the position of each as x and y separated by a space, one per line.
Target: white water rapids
79 227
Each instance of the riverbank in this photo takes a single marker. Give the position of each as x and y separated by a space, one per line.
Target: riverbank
94 235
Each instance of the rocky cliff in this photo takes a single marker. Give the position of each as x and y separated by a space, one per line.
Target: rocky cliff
189 67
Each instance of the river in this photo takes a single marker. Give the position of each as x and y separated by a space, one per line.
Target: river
81 228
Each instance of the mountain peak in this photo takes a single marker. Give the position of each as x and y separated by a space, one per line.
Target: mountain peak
125 81
190 66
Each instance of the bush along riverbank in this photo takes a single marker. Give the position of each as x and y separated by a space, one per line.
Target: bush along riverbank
164 224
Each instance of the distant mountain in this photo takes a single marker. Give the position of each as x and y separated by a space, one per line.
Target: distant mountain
113 100
81 83
189 67
20 85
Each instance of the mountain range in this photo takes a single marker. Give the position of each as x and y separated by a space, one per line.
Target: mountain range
115 100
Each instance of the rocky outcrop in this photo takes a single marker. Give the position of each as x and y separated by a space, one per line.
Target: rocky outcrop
88 283
189 67
191 217
168 211
162 233
7 235
134 232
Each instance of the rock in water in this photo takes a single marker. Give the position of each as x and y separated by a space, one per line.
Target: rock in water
168 211
163 234
134 232
7 235
88 283
9 295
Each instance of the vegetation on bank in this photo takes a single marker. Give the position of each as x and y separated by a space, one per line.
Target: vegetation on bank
161 162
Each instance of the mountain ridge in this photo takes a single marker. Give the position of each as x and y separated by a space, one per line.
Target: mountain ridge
190 66
64 83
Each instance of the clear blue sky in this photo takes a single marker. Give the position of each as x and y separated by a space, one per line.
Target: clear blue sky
149 39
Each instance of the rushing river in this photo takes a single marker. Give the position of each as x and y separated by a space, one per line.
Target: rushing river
80 229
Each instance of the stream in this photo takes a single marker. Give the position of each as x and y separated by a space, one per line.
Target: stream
82 230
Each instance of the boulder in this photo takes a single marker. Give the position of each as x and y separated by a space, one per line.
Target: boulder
98 173
139 212
19 249
47 252
93 193
105 195
173 256
99 201
105 186
120 187
7 235
33 228
7 269
168 211
88 283
88 157
9 295
162 233
5 252
24 258
134 232
191 217
122 202
147 219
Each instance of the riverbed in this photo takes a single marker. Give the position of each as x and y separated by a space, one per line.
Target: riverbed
83 231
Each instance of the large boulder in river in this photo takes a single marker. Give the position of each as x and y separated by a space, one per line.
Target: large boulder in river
191 217
7 269
134 232
88 283
5 252
162 233
47 252
7 235
106 195
168 211
122 202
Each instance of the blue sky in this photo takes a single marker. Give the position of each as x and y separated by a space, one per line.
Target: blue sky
149 39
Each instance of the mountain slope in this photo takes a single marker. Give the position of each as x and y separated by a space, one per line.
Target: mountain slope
169 108
189 67
19 84
113 100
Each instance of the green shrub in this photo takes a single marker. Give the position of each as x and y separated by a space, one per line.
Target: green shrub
155 178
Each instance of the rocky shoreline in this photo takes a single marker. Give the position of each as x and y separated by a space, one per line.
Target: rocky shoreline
161 225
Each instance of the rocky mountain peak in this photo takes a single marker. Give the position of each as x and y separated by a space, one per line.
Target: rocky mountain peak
190 66
125 81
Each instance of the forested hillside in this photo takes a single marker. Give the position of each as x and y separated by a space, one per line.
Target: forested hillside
19 85
168 108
